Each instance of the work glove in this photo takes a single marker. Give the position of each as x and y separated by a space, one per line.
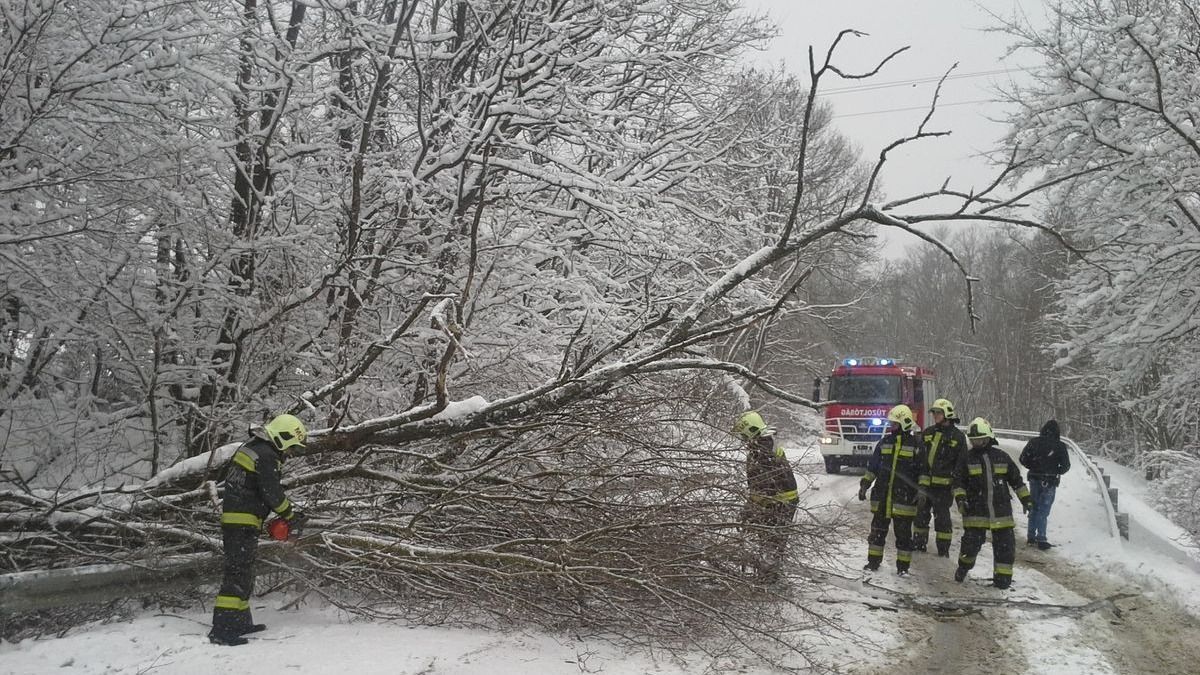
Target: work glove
862 493
297 523
961 502
1026 505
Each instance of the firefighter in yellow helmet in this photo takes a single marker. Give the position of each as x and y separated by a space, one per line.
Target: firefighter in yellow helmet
895 471
252 492
981 488
771 504
943 443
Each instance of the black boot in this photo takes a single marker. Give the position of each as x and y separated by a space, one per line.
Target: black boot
901 569
1002 582
226 639
252 628
960 574
871 566
1044 546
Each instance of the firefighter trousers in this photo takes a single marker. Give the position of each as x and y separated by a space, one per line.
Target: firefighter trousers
937 506
231 613
769 523
877 540
1004 551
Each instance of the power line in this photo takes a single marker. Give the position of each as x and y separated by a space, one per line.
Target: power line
872 86
915 107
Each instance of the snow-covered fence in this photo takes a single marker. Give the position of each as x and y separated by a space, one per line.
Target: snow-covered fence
1108 496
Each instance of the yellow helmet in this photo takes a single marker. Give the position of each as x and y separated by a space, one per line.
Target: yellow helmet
749 425
980 429
286 431
903 416
946 408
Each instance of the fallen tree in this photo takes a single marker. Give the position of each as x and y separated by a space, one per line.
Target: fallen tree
563 272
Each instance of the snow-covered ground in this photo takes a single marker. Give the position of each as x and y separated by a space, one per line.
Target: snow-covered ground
316 641
1093 604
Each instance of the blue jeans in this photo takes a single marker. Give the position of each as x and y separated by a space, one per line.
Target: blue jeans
1042 494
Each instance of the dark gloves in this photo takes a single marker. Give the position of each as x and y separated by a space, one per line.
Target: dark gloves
1026 504
296 523
962 504
862 493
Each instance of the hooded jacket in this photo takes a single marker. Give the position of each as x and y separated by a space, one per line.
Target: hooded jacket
1046 456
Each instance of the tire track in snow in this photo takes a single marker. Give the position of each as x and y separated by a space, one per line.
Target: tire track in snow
1140 634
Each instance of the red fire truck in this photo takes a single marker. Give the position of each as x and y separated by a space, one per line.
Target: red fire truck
861 392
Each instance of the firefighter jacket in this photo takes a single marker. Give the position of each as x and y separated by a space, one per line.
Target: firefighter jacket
981 487
1046 456
769 473
252 488
943 444
895 469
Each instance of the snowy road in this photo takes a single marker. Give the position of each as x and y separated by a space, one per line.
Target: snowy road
1092 605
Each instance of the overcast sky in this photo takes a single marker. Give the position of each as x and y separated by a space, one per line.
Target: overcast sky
939 33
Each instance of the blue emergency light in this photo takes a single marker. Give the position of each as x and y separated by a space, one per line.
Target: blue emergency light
852 362
876 422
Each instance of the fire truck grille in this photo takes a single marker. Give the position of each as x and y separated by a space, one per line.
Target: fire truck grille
855 430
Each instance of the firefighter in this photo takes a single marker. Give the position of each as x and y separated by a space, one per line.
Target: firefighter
943 443
771 505
895 470
981 489
252 491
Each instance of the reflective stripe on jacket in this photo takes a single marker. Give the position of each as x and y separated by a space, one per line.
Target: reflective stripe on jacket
252 488
769 474
895 469
983 478
943 444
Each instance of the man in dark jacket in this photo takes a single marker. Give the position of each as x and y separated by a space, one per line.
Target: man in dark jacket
252 491
895 470
771 504
943 443
1046 458
981 488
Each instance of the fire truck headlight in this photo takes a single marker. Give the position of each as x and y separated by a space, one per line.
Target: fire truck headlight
826 440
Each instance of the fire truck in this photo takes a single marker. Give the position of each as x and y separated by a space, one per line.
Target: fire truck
860 394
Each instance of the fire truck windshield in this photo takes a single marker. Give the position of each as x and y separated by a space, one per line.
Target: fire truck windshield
865 389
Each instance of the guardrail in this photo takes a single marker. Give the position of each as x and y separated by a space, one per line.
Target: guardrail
46 589
1080 458
68 586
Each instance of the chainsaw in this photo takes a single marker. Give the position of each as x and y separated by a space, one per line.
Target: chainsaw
285 530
